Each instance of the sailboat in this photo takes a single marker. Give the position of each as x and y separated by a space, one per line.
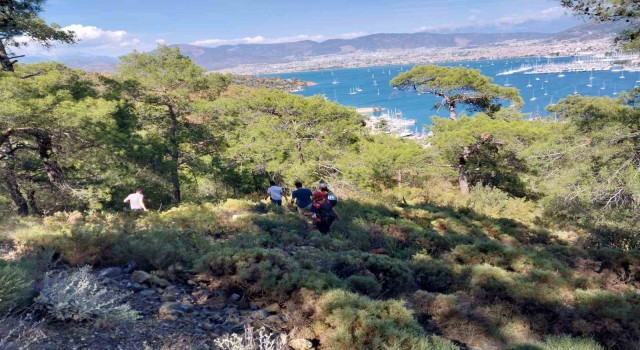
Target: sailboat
604 86
529 85
615 90
622 75
375 83
546 78
372 76
542 86
352 91
575 91
335 82
378 91
537 78
534 96
506 83
545 92
561 75
358 89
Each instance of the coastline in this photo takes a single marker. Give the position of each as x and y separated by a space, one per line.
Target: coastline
505 50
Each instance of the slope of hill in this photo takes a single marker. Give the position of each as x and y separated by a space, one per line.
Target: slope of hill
232 55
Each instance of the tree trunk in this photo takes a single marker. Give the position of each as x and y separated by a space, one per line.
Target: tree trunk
174 150
452 111
462 171
13 187
33 204
5 61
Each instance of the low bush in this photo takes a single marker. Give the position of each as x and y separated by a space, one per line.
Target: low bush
433 275
347 321
158 248
14 286
78 295
561 343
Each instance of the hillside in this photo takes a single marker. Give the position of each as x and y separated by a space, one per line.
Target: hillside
232 55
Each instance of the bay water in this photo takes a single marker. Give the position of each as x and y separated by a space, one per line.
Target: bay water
537 90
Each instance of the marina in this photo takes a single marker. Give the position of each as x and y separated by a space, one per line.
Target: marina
552 79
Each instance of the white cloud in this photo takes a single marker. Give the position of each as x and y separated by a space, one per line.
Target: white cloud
550 14
161 41
259 39
91 39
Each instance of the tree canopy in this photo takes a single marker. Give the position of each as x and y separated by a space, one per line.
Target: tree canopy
19 21
456 86
611 10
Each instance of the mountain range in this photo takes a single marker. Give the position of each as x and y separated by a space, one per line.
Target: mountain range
227 56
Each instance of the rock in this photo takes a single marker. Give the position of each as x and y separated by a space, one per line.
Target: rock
254 306
147 292
167 297
300 344
207 326
235 297
260 314
136 287
273 308
110 272
160 282
274 319
140 276
174 309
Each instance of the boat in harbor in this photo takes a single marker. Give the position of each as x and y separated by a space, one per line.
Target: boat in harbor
335 82
533 98
352 91
506 83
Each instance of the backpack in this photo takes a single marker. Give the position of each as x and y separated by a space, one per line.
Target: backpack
325 212
332 198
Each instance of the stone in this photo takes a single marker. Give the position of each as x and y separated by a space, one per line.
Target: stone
174 309
260 314
110 272
147 292
274 319
140 276
167 297
273 308
300 344
207 326
235 297
160 282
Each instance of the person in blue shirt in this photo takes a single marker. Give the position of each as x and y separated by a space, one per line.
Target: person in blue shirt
302 197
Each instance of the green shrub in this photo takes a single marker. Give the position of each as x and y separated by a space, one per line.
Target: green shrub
433 275
561 343
199 218
14 286
80 296
347 321
393 274
365 285
262 271
157 249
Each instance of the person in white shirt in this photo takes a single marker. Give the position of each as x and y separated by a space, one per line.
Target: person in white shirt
135 200
275 193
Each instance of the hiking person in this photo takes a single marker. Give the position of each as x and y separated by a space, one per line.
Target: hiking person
136 201
275 193
322 213
302 197
328 195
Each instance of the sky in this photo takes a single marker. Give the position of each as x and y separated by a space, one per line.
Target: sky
116 27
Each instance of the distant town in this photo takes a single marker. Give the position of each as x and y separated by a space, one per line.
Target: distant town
507 49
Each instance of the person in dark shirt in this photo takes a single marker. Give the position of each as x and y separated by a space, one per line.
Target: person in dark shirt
302 197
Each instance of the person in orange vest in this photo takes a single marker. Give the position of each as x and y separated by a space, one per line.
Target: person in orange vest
322 213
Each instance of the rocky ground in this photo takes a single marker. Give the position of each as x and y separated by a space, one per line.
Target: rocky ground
187 315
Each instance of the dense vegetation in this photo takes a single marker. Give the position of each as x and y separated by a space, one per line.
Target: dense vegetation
496 233
541 251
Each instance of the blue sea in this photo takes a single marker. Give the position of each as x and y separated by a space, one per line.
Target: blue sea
546 88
